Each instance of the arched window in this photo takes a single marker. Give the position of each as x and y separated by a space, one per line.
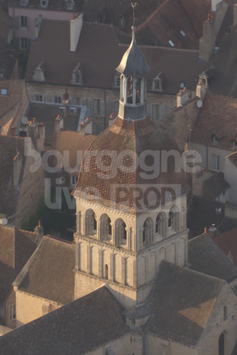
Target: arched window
171 219
130 90
105 227
147 231
120 232
138 90
91 222
158 224
222 344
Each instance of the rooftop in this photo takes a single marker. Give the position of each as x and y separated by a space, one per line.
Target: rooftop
227 242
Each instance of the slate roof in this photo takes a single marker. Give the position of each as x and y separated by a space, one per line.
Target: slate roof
206 257
16 247
215 185
47 114
217 117
137 137
181 303
75 329
227 242
50 271
73 142
92 45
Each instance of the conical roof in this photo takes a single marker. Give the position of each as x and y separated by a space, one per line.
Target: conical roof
133 62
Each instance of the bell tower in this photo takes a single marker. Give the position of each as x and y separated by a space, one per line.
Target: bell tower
116 242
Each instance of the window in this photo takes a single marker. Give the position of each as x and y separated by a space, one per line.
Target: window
57 99
106 272
158 112
76 101
3 91
12 309
23 21
70 5
214 139
78 78
222 344
24 44
183 33
216 162
117 81
122 22
43 3
73 180
157 86
170 219
98 107
234 143
98 129
38 97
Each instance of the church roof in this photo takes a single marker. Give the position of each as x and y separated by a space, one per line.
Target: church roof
181 303
133 62
206 257
75 329
136 137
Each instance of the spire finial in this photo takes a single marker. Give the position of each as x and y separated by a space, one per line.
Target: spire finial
134 5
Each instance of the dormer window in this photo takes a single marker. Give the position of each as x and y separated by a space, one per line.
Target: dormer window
122 22
183 33
77 77
234 143
171 43
214 139
70 5
157 82
39 73
43 3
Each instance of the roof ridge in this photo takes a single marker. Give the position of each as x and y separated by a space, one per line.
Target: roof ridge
161 47
24 230
49 236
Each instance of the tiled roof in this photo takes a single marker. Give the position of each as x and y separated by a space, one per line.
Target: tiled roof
215 185
73 142
47 114
166 24
126 135
8 58
13 97
6 23
217 117
15 249
50 274
108 55
56 5
225 64
206 257
181 303
227 242
9 146
75 329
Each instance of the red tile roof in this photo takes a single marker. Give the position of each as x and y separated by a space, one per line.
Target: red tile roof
228 243
217 117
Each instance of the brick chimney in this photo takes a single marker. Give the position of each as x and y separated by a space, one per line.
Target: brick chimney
17 166
75 31
39 231
183 97
59 123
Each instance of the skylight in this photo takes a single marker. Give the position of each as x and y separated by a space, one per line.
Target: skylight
183 33
3 92
171 43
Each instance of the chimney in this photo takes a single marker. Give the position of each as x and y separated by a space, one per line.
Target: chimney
207 42
212 231
214 3
17 165
58 126
201 89
182 97
39 231
75 31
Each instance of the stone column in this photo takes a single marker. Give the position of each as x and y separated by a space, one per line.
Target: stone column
123 270
88 259
99 236
113 234
100 266
111 267
84 224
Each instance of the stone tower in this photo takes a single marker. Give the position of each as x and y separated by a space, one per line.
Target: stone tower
130 198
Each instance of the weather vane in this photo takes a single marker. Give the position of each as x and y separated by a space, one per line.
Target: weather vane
134 5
